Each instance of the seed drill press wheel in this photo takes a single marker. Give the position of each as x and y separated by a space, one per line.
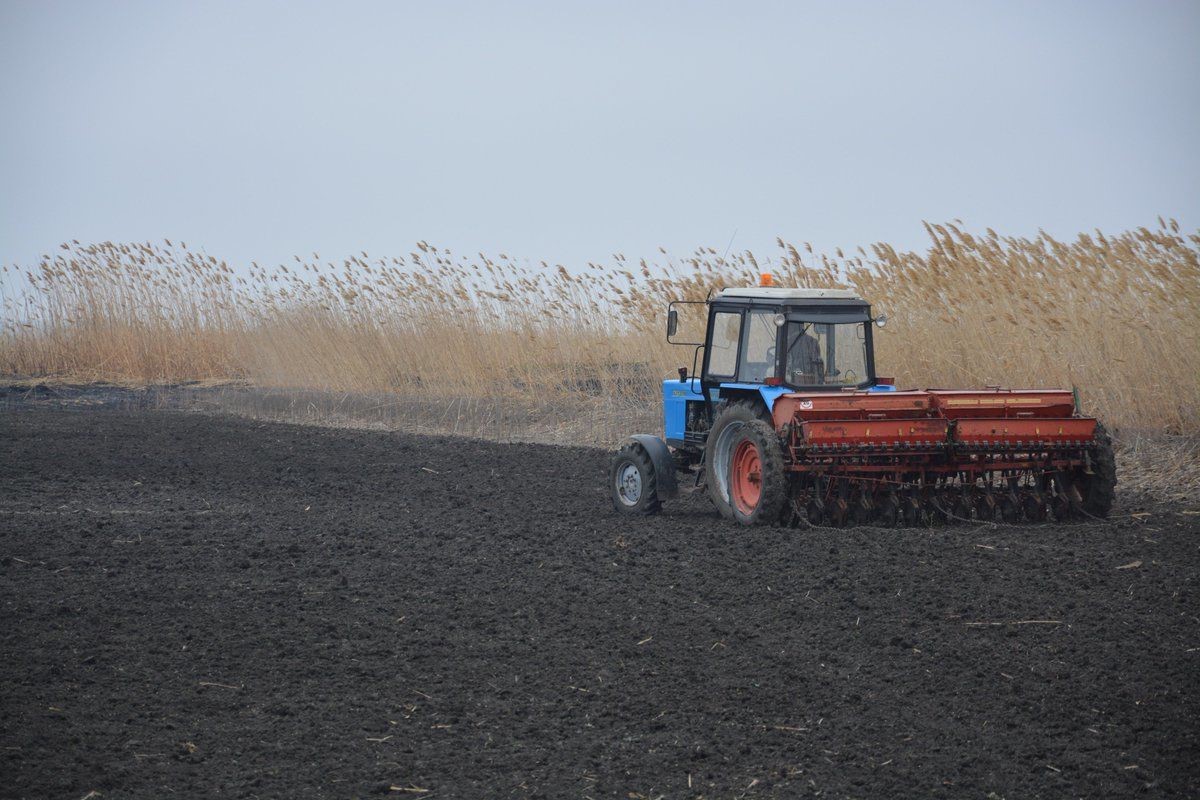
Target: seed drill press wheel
1098 486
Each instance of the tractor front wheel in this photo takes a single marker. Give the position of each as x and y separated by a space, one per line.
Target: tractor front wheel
632 481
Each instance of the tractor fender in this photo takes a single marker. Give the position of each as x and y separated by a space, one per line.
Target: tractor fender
660 457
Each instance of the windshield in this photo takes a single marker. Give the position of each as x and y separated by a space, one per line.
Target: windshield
826 354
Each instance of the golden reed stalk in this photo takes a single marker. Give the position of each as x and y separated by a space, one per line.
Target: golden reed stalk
1117 316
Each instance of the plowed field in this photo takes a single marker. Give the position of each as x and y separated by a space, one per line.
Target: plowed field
201 606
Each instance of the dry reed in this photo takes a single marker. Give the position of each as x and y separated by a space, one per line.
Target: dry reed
1114 315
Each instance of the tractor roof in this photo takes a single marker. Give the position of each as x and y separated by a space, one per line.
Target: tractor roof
777 293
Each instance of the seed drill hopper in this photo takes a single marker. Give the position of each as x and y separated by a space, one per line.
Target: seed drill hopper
786 420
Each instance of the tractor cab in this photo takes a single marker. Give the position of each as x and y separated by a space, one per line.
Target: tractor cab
766 341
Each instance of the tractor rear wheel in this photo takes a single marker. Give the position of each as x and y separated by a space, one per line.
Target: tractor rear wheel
730 419
632 482
757 481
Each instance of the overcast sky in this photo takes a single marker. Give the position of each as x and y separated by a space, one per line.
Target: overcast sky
567 131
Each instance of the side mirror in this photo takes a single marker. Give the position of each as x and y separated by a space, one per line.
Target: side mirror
672 322
881 320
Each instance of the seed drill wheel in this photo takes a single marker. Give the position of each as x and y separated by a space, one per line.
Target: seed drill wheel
632 481
1098 485
910 509
1064 502
889 511
756 479
862 508
1033 505
1010 508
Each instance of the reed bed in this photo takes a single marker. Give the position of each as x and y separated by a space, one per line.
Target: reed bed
1115 315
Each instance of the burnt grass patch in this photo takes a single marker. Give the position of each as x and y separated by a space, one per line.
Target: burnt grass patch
203 606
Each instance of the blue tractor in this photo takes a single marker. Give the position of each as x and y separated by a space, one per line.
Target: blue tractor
787 420
760 344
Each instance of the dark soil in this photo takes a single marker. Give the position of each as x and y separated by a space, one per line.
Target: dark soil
200 606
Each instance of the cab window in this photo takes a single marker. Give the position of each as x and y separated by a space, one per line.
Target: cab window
758 346
723 350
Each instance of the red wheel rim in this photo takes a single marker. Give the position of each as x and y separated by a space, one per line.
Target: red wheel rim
746 477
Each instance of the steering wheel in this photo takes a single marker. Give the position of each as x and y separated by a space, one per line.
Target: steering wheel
850 376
